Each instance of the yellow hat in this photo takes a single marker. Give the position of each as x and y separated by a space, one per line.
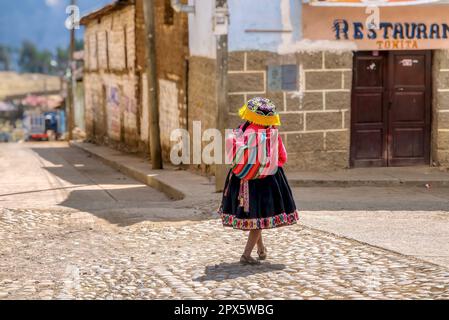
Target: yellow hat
260 111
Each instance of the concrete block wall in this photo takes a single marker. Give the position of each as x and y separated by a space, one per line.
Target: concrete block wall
315 117
440 108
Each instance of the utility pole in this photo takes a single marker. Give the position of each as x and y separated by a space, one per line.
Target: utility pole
70 83
153 92
221 21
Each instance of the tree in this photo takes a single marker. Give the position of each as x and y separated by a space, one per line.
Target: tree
5 58
79 44
33 60
62 58
29 57
45 58
62 55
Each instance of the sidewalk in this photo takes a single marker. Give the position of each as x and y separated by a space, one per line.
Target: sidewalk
185 188
372 177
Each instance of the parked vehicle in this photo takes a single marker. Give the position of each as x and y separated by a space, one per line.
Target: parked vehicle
44 126
35 126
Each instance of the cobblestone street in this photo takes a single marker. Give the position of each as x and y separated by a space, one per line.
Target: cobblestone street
72 228
60 255
133 133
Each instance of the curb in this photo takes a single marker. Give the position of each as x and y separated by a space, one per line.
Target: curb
149 179
152 178
366 183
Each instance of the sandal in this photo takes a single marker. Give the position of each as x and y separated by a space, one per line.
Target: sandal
262 253
248 260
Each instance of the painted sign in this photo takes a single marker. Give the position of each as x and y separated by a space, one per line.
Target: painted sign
402 28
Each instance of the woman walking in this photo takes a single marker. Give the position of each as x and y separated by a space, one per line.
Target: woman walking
256 201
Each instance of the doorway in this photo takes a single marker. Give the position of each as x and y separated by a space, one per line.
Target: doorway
391 108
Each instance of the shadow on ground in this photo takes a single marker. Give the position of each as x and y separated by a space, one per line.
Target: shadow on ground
107 193
93 187
223 271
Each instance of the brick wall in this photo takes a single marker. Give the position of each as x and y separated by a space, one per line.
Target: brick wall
111 82
440 108
315 117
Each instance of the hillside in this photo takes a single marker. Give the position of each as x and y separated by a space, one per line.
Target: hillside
12 83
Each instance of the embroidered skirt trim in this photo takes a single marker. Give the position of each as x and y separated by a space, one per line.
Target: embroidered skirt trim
283 219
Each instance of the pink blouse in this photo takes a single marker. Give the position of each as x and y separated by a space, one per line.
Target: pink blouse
282 152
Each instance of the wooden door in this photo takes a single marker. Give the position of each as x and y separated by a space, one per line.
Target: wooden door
409 107
369 110
390 113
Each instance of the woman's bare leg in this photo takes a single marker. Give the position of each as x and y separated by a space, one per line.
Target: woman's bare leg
260 245
253 238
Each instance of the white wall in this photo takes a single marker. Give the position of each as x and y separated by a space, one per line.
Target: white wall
202 41
264 15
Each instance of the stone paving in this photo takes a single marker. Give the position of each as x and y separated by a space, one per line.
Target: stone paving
48 254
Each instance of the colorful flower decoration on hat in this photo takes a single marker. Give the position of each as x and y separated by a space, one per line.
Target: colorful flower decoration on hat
260 111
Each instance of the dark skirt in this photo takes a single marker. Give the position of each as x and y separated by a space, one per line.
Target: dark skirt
258 204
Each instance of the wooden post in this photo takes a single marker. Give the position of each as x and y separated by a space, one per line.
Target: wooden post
153 99
222 94
70 84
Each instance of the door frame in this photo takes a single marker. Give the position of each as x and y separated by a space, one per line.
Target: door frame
388 80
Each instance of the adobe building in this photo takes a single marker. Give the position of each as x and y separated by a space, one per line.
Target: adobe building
116 103
351 93
111 78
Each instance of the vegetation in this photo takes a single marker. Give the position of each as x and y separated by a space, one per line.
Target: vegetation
62 54
5 58
31 59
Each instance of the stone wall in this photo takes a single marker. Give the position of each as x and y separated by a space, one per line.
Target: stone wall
440 108
315 117
111 96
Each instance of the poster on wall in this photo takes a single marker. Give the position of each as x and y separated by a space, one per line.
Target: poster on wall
386 28
113 112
